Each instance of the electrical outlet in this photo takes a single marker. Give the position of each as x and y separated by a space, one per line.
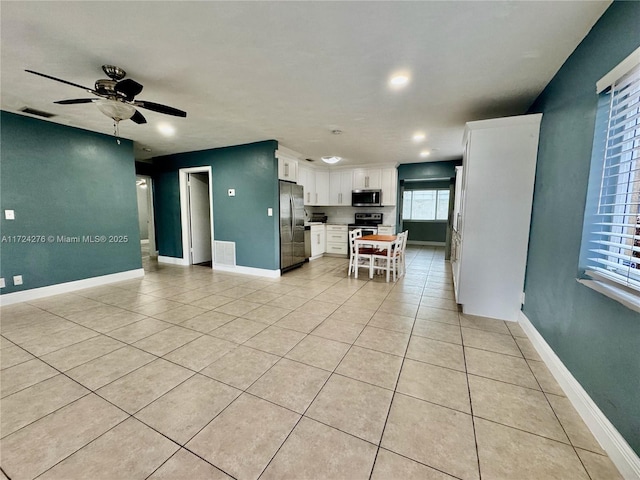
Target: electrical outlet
17 279
2 284
232 192
9 214
270 212
522 298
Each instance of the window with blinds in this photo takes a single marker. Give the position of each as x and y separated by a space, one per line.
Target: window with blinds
614 236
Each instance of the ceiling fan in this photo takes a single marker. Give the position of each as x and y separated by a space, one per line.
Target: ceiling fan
116 97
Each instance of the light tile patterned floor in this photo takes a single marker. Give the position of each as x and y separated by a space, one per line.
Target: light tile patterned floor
194 374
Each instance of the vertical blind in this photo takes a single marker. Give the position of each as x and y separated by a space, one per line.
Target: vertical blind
615 243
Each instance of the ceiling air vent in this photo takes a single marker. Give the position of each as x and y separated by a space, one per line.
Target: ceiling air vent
38 113
309 159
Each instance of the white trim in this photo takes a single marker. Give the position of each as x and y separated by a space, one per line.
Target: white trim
67 287
258 272
603 430
618 71
617 293
173 260
184 209
420 242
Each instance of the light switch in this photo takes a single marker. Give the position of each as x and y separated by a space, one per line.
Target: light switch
10 214
270 212
17 279
232 192
2 284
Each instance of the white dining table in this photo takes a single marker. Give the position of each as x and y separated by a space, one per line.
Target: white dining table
383 242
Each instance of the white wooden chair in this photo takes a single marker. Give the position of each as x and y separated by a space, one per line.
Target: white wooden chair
389 260
392 260
364 253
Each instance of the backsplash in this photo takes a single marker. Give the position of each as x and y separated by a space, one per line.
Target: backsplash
346 215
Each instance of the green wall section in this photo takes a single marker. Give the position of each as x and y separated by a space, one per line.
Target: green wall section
428 170
426 231
63 181
252 171
595 337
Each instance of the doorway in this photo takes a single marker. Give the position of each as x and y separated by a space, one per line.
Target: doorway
144 194
197 216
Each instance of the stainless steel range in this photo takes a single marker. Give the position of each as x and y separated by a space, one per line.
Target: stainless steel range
368 222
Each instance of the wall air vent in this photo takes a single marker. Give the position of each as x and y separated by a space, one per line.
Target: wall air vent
38 113
225 253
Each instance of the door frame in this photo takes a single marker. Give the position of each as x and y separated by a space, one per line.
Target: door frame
185 212
153 251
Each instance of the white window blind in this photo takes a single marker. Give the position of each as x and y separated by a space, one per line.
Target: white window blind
430 204
615 240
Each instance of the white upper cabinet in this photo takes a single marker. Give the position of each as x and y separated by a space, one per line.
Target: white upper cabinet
287 168
367 178
307 178
389 185
315 184
340 186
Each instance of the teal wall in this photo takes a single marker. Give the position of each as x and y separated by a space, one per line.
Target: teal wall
70 182
252 170
408 174
428 170
595 337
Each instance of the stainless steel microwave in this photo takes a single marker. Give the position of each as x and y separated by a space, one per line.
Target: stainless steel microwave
366 198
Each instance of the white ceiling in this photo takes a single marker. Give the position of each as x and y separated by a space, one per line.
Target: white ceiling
294 71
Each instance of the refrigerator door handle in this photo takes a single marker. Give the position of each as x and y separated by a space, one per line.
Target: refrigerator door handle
293 216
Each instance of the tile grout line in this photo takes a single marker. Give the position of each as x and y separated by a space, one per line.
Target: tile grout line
395 390
551 407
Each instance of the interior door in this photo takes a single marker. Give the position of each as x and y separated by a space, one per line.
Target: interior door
199 218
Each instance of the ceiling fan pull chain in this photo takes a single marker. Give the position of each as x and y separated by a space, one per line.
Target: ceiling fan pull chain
115 131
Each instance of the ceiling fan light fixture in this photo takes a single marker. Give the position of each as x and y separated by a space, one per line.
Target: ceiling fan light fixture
399 80
331 159
166 129
115 110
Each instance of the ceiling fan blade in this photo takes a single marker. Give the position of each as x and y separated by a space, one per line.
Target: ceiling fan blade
130 88
61 81
74 101
138 118
156 107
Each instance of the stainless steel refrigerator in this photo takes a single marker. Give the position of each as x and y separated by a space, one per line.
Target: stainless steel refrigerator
291 226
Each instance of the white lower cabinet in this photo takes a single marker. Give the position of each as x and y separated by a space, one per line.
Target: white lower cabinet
318 240
386 230
337 240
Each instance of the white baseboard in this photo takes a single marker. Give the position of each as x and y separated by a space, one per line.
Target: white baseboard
430 244
258 272
67 287
619 451
173 260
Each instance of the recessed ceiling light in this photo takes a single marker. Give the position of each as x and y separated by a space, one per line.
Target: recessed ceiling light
399 80
166 129
331 159
418 137
425 153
